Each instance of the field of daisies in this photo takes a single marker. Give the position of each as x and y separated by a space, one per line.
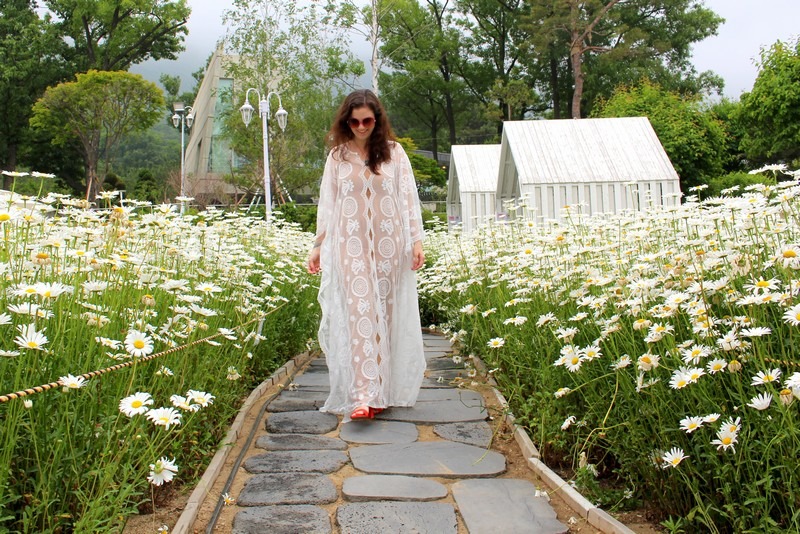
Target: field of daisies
653 356
138 332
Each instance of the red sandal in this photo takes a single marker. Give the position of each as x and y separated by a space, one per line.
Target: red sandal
362 412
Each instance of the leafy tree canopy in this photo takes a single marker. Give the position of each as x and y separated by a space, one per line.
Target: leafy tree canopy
98 109
115 34
31 58
771 111
693 138
301 53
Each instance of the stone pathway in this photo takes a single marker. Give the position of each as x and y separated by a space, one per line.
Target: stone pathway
390 481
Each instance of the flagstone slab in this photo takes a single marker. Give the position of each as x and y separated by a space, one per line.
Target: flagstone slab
506 505
299 442
438 364
375 431
303 422
303 394
392 487
477 433
444 411
448 374
295 405
312 379
437 353
282 520
429 383
437 342
287 488
429 458
396 517
314 461
467 396
316 369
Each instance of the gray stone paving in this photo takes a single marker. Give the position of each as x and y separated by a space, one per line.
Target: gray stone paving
287 488
302 422
392 487
397 517
428 458
296 461
300 442
443 411
282 520
485 504
398 483
378 432
472 433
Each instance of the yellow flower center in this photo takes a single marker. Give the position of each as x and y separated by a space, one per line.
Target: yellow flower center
42 255
726 440
136 404
33 345
4 217
786 253
762 283
575 360
139 344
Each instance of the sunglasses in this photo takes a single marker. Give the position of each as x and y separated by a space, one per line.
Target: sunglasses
366 122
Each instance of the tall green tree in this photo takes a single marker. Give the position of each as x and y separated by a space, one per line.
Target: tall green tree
30 60
770 113
496 65
634 37
300 52
693 137
115 34
98 109
422 44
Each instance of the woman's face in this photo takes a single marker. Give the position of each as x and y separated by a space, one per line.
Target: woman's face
362 122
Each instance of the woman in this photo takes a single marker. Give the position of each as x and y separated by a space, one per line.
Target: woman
368 245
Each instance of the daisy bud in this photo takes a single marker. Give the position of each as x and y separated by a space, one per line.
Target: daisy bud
734 366
786 397
148 300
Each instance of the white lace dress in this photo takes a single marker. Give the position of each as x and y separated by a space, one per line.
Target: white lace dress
370 329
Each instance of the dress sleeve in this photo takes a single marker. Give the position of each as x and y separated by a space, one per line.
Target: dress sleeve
409 198
327 197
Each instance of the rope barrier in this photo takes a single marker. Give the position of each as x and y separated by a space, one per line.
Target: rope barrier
86 376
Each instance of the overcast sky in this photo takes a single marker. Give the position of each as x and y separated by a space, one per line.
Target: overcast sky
749 25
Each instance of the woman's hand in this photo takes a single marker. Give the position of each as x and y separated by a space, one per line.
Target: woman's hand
313 260
417 256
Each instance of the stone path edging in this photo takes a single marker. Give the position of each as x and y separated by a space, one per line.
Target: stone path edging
595 516
282 376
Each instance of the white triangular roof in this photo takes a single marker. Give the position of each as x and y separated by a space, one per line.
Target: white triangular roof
476 167
585 150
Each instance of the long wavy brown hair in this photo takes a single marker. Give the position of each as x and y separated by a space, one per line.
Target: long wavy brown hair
378 143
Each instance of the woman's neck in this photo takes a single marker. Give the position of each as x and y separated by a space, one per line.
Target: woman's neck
359 144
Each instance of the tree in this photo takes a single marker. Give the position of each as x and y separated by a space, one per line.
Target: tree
693 138
299 51
115 34
422 46
31 59
98 109
497 71
770 113
632 33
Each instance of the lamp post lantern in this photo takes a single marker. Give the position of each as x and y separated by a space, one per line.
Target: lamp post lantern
263 110
183 118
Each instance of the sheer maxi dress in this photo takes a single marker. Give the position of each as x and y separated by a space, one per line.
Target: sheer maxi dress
370 328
